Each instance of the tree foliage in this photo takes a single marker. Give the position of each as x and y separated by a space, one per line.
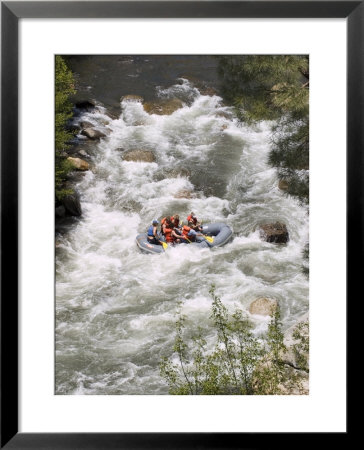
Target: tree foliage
239 363
274 88
64 88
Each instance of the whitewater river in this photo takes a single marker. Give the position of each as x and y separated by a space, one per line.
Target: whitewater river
115 306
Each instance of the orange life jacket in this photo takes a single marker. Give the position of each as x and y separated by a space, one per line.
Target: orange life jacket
191 219
185 230
168 234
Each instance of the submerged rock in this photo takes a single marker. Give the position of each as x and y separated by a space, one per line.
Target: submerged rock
163 107
184 193
178 172
79 163
207 90
274 232
132 98
139 156
91 133
263 306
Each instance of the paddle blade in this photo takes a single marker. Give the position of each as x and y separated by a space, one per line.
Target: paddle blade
209 239
165 246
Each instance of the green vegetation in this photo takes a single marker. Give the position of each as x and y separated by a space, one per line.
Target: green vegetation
301 346
274 88
64 88
239 363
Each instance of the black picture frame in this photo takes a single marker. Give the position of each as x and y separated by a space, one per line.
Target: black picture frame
11 12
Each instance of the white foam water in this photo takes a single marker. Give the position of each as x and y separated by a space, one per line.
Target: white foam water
115 306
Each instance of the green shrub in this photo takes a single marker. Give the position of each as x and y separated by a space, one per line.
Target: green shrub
239 363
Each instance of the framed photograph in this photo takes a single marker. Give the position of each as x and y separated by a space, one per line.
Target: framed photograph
179 217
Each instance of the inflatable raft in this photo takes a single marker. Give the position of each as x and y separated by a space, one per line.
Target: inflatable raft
220 233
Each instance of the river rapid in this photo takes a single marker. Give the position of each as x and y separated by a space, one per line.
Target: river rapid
115 306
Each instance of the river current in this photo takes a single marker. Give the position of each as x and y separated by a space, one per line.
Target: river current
115 306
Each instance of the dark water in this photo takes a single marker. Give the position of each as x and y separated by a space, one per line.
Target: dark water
106 78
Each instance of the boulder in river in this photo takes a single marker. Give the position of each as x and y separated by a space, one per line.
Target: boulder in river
139 156
207 90
72 204
263 306
132 98
84 124
163 107
184 193
274 232
79 163
283 185
91 133
86 105
178 172
60 211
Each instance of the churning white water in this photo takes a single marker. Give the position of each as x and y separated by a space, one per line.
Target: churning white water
115 306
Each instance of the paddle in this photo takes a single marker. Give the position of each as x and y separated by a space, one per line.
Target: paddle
208 238
165 246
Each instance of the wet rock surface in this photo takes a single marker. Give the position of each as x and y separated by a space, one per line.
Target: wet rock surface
93 134
72 205
78 163
139 156
274 232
